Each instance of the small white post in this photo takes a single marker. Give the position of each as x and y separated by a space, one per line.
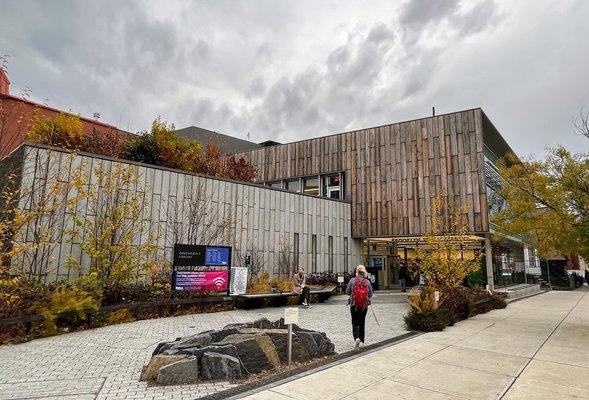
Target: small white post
291 316
289 343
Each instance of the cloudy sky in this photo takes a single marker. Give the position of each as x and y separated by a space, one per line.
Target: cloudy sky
287 70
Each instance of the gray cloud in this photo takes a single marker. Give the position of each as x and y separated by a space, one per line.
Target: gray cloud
285 71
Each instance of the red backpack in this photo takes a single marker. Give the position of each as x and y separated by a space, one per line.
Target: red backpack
360 293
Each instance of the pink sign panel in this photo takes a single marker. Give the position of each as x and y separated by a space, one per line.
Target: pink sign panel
202 281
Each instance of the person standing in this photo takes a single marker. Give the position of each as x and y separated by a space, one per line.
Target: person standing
403 277
360 291
299 285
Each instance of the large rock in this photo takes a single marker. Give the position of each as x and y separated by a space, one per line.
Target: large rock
263 323
180 372
223 333
151 370
215 366
238 325
279 338
191 342
256 351
227 349
309 342
326 347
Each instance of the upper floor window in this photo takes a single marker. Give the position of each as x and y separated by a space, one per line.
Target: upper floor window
276 184
332 186
311 186
294 185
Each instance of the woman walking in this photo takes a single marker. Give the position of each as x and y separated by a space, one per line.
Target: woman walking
360 291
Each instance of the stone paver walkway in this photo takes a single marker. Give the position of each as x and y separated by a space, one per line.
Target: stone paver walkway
537 348
105 363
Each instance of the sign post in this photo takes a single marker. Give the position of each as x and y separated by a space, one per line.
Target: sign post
291 316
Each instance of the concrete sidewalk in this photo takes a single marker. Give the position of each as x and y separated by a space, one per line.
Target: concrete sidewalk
536 348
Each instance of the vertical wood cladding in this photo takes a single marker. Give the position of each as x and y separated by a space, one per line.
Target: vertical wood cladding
394 171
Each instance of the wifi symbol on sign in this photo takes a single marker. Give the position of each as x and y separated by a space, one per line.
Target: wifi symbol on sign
219 282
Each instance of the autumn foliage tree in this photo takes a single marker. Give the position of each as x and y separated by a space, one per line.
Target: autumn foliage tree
63 130
442 261
548 201
239 169
115 237
107 142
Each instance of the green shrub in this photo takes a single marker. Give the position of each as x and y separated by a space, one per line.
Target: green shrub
476 279
119 317
67 299
429 321
498 302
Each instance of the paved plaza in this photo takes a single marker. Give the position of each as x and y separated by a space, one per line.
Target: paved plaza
105 363
537 348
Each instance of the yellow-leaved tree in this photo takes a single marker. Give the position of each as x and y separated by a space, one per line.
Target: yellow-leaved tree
63 130
117 240
445 261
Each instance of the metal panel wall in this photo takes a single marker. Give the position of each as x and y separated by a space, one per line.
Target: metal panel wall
253 218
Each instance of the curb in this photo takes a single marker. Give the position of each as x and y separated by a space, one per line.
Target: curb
299 372
528 296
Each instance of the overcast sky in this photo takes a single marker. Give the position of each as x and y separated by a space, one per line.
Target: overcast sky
292 70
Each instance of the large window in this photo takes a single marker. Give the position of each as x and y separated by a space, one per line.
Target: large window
294 185
311 186
332 187
276 184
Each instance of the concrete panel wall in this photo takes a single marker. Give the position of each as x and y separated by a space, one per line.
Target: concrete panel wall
248 217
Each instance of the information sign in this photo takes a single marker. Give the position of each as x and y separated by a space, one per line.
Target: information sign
238 281
291 315
191 280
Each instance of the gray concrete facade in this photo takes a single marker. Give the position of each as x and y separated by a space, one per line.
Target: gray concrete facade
253 219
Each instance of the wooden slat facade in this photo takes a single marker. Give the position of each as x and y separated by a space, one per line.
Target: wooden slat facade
392 172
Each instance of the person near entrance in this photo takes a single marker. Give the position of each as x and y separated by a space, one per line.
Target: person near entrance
403 277
360 291
299 286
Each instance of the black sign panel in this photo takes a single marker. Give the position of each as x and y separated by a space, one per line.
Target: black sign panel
188 255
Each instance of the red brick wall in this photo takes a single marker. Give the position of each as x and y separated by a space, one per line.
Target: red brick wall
16 116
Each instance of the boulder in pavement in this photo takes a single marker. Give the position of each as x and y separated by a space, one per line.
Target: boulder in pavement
180 372
158 361
326 347
263 323
223 333
309 342
191 342
215 366
256 351
279 338
227 349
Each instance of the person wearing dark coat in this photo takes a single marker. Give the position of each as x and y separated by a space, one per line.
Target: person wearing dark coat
402 278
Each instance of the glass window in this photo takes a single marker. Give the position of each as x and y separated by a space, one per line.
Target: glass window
276 184
345 254
296 250
330 254
311 186
293 185
314 253
332 187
